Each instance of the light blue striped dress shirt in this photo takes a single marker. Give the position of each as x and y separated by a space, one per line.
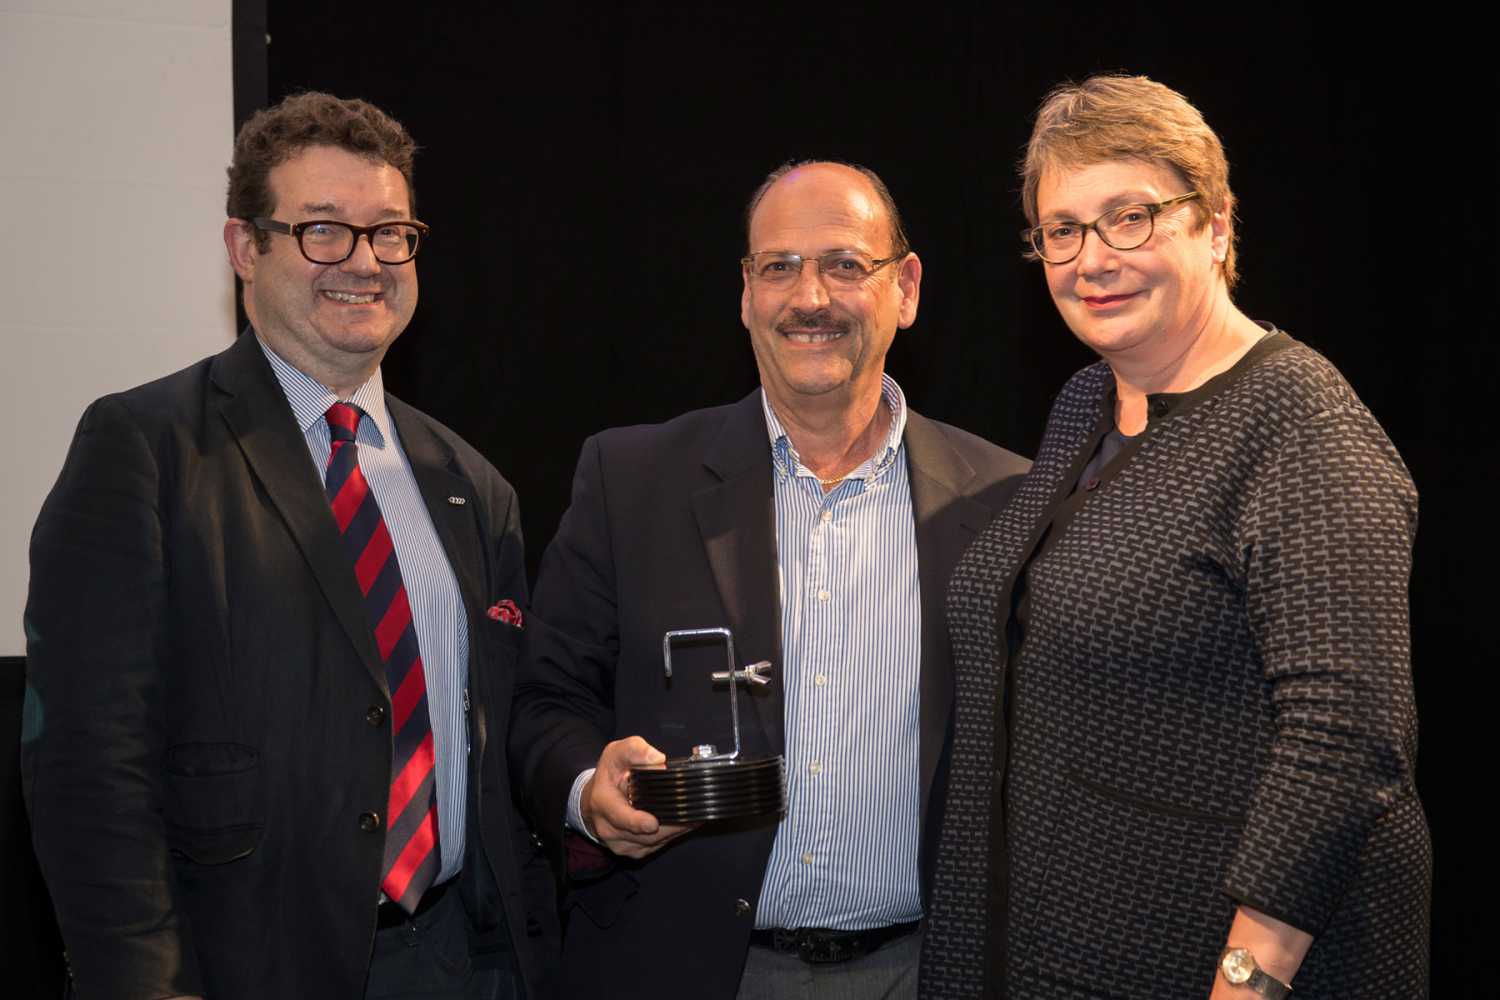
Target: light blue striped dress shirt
436 607
845 855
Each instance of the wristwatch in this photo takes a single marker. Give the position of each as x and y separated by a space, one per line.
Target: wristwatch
1238 968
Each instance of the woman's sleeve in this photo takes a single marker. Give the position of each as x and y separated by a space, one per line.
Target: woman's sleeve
1327 540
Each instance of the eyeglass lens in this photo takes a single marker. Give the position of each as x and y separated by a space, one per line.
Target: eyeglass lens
845 266
332 242
1125 228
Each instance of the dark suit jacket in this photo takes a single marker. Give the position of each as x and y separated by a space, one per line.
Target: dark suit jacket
212 711
673 526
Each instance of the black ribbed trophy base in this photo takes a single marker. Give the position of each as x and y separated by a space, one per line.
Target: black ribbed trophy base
685 790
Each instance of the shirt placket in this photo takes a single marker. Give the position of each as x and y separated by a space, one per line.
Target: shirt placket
820 682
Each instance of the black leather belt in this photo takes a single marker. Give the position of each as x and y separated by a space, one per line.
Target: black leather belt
391 915
818 946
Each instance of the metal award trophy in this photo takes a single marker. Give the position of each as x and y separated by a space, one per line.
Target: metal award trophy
710 785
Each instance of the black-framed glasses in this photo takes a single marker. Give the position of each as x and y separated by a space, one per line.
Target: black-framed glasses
1123 228
844 267
328 241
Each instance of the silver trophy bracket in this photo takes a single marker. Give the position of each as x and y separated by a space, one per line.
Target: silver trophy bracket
757 674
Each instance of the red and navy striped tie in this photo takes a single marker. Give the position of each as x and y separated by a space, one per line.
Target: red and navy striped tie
411 859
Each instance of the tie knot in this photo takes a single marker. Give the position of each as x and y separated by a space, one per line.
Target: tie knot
342 419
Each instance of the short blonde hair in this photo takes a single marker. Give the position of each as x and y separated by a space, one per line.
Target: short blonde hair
1116 117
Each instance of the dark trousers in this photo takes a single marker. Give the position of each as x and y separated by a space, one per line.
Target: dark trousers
887 973
431 957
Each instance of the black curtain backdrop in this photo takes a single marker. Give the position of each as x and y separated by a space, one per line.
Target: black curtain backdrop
585 169
31 958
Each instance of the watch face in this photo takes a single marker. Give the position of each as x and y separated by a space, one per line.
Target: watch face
1237 965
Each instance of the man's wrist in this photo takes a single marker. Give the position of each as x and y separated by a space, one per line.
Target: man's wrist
574 819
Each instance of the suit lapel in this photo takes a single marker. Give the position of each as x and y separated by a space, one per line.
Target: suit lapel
737 519
450 499
256 410
946 523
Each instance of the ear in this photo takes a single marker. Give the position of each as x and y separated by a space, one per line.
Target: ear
239 240
909 284
745 296
1221 232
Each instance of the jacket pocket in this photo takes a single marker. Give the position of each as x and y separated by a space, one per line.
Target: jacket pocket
214 801
499 646
1131 886
602 901
507 636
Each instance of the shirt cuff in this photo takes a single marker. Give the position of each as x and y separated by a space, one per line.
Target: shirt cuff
575 805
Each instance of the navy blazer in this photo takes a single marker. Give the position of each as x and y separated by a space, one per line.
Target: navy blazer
211 714
673 526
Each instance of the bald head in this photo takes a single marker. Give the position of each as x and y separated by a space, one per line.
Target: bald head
860 189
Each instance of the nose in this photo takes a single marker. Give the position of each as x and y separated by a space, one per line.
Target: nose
1095 255
362 259
809 293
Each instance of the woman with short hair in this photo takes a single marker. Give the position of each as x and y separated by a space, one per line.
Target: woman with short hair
1184 730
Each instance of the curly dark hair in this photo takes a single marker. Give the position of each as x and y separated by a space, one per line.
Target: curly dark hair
274 135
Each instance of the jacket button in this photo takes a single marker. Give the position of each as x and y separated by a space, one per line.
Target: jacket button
376 715
369 822
741 907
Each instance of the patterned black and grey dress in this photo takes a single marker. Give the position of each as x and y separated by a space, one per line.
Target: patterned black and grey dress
1208 701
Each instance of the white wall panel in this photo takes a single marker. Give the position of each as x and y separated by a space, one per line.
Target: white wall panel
116 122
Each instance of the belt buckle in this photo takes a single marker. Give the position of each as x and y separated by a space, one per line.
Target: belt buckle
819 947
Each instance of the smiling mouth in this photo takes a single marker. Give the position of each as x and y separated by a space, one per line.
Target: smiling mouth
351 298
1103 301
813 336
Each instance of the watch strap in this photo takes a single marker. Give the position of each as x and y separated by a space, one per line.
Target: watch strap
1268 986
1233 964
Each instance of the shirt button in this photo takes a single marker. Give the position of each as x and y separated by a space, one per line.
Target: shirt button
1092 484
807 858
827 515
369 822
1159 407
822 595
814 768
376 715
820 680
741 907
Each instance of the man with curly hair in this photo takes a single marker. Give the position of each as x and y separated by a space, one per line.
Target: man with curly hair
269 750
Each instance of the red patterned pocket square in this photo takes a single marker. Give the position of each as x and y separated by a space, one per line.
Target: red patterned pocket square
507 612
